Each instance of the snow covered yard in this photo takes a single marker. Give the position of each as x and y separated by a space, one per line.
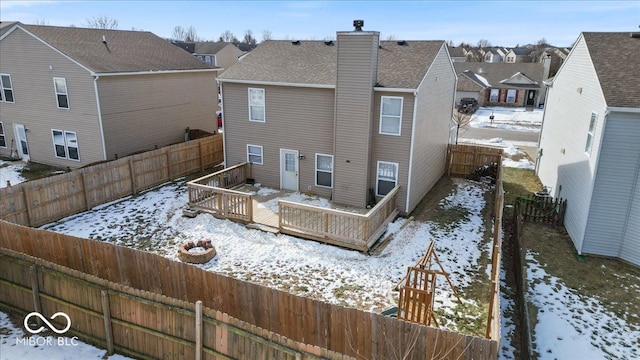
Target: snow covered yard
153 222
512 156
514 119
10 171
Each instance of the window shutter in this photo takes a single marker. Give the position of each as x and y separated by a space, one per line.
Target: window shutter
499 95
516 100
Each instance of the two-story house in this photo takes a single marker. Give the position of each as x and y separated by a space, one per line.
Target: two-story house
221 54
342 118
517 55
72 96
589 151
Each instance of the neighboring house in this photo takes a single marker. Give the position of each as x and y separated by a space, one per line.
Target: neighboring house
513 85
472 55
557 57
458 54
221 54
492 56
342 117
74 96
517 55
589 150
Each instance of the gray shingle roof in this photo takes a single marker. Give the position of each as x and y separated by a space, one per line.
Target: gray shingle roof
313 62
6 25
615 58
456 51
125 51
210 47
497 72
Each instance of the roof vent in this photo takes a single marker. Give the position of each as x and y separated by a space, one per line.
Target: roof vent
328 42
358 24
297 42
635 35
104 40
402 42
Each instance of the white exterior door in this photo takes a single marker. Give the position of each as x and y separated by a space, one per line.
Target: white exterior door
289 169
21 141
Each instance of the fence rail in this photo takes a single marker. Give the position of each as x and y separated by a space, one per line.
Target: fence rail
543 209
494 316
152 300
355 231
34 203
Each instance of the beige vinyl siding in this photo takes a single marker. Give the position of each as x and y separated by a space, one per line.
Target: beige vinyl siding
564 167
431 134
356 76
140 112
392 148
32 66
227 56
296 119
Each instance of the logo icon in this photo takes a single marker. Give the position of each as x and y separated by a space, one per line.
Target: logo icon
50 325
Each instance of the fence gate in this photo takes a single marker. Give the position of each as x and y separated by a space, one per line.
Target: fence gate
543 209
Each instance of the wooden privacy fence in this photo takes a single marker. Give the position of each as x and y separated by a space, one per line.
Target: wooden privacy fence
355 231
464 159
38 202
494 316
544 209
271 316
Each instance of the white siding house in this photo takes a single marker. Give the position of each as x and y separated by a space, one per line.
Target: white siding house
589 150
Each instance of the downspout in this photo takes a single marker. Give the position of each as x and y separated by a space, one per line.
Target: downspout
224 133
413 134
549 85
95 87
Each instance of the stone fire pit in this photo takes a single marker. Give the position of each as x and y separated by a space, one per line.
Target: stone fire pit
198 252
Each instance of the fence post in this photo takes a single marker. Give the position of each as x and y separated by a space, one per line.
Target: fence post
84 190
198 330
108 331
133 177
26 203
35 290
166 154
200 155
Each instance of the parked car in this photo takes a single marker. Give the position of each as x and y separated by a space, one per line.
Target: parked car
468 105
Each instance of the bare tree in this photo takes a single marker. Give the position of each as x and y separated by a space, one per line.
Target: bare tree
189 34
266 35
102 22
43 22
537 50
391 37
249 39
462 121
227 36
483 43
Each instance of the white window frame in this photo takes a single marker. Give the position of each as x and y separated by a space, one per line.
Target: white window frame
317 170
515 95
398 117
4 89
497 97
249 154
3 136
378 175
66 144
263 105
66 93
591 133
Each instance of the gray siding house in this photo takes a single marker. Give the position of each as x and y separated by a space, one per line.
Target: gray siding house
342 118
71 96
590 144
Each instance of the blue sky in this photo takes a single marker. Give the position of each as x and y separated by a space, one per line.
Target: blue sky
505 23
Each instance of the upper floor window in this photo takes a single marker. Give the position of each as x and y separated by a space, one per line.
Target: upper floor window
591 133
511 59
62 97
387 177
511 96
324 170
3 139
256 105
391 115
6 88
65 144
254 154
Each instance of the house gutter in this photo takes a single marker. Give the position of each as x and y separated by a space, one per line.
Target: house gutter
224 133
633 110
153 72
277 83
104 146
399 90
413 135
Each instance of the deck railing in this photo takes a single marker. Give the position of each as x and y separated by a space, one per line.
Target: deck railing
212 193
356 231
